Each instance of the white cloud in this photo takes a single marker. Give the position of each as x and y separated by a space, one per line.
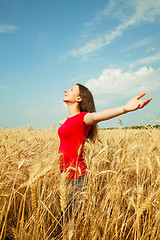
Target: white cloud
139 44
149 59
146 10
142 11
114 81
7 28
4 87
78 78
91 46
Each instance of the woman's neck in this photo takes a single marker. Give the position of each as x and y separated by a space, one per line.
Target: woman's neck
73 109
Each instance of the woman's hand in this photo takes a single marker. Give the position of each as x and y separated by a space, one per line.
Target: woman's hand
135 103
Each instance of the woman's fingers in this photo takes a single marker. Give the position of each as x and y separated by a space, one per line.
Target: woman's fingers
140 95
145 102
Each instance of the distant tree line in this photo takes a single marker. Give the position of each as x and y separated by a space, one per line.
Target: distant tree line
135 127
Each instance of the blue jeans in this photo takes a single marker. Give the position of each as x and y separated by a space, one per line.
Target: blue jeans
75 188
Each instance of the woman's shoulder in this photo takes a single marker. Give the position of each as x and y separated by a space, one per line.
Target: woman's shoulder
62 121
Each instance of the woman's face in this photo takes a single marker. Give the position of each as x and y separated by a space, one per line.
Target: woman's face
72 94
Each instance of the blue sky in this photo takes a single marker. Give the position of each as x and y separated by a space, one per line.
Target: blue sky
112 47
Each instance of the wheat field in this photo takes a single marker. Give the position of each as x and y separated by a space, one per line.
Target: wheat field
121 200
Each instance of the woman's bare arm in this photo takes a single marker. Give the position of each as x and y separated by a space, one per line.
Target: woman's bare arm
131 105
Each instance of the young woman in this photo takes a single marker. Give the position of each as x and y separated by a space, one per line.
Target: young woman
80 125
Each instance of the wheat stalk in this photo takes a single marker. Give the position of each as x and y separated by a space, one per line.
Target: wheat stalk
120 202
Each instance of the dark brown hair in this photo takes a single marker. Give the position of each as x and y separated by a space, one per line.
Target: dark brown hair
87 105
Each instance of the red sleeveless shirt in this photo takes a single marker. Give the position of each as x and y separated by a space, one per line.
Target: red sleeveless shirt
73 134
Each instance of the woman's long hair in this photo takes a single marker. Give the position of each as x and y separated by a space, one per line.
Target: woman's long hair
87 105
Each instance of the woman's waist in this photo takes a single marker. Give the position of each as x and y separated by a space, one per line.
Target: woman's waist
72 158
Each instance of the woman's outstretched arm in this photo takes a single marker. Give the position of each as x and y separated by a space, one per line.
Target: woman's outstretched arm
132 105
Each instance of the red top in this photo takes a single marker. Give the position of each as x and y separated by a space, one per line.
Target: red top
73 134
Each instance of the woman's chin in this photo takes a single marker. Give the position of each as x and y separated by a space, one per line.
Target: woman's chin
65 99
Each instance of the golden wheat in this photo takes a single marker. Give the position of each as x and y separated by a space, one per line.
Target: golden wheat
121 201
